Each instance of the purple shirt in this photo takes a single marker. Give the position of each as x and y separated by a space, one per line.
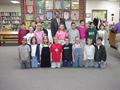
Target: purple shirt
117 28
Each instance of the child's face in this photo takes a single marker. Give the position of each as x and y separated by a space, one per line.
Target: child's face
73 26
24 41
39 26
66 41
45 40
82 23
61 27
77 40
101 27
89 41
92 25
99 42
31 29
55 40
23 27
33 24
33 41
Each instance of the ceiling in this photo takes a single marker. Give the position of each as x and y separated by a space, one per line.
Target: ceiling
8 1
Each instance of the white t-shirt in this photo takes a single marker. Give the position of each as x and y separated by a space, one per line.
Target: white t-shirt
33 50
50 35
89 52
101 33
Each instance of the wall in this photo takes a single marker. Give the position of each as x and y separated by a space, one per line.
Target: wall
112 7
10 8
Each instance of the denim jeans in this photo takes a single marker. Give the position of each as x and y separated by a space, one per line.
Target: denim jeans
67 63
89 63
34 62
101 64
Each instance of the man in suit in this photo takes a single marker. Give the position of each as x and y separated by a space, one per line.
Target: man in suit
55 22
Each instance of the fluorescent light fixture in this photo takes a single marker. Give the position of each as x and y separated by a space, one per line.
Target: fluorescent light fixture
15 2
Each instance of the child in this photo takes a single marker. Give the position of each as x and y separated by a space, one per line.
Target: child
56 54
50 33
21 33
77 51
103 33
24 54
35 53
29 35
39 33
73 33
61 34
89 51
33 24
67 54
100 54
82 31
92 33
45 53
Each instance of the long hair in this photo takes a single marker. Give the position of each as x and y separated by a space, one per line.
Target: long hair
32 40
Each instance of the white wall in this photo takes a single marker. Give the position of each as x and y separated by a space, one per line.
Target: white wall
10 8
112 7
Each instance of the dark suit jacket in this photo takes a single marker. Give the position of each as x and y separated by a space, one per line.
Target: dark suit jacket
54 25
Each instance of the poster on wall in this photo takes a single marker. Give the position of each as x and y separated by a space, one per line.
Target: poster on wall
49 4
58 4
66 4
40 6
29 2
49 15
75 15
66 15
29 16
75 4
29 9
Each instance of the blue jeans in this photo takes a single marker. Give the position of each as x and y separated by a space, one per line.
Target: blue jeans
89 63
67 63
34 62
100 64
25 64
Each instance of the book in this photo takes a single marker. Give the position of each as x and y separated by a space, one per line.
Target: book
75 4
49 4
66 4
49 15
58 4
75 15
66 15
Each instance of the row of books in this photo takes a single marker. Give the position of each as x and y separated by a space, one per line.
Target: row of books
10 14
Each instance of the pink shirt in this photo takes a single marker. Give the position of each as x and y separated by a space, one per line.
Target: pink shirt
61 35
82 32
39 36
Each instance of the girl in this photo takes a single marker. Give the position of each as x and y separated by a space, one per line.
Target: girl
103 33
89 51
21 33
39 33
56 54
73 33
29 35
24 54
45 53
61 34
35 53
82 31
77 51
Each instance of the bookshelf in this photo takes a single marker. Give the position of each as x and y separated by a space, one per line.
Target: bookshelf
10 20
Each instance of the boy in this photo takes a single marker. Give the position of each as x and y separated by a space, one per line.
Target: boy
100 54
24 54
56 54
67 54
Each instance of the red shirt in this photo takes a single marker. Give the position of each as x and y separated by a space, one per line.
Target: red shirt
56 51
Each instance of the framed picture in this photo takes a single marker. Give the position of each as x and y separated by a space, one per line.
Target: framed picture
75 4
58 4
66 15
66 4
49 15
29 9
42 17
40 6
29 2
29 16
75 15
49 4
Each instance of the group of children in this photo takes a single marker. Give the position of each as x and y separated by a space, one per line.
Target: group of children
79 47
